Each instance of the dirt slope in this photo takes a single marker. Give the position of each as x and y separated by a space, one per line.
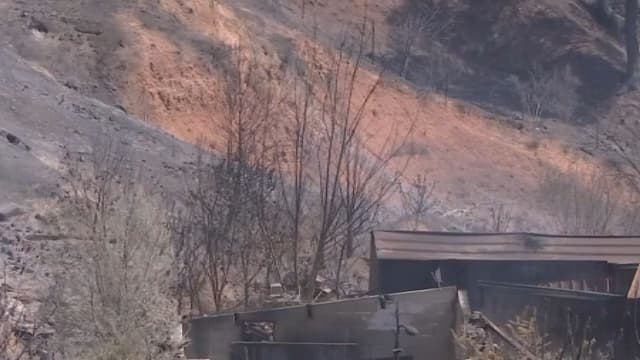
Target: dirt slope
147 74
40 122
161 59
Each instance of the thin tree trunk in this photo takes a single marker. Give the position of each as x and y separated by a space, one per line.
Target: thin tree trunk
349 236
318 263
631 36
339 270
296 240
405 67
373 40
246 294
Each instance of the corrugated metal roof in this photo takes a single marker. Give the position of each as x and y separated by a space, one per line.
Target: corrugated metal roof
415 245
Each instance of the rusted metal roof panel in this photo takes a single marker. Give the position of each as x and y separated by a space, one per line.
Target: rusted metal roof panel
411 245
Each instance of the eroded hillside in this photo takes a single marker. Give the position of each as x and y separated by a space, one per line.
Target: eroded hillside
162 60
149 76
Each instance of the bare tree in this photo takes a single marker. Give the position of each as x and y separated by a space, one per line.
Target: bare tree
206 228
231 202
338 184
368 182
113 294
584 205
189 260
352 182
418 22
293 156
625 142
260 230
252 97
417 199
340 121
501 219
548 93
442 70
221 230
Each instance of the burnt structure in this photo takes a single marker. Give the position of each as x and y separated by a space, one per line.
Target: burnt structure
404 260
565 282
352 329
574 286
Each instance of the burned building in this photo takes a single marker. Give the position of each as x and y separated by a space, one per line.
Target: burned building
406 260
431 281
567 282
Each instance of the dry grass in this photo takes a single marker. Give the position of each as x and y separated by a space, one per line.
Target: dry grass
112 292
181 94
412 148
531 342
532 144
586 203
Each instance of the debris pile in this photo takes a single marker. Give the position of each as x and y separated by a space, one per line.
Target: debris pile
286 293
20 332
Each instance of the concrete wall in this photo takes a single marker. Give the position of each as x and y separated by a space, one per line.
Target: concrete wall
281 351
362 321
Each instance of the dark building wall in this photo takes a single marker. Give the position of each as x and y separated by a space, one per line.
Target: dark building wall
362 321
594 274
403 275
561 313
503 303
397 276
623 277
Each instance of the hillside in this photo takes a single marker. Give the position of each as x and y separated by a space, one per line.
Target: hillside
148 74
161 61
